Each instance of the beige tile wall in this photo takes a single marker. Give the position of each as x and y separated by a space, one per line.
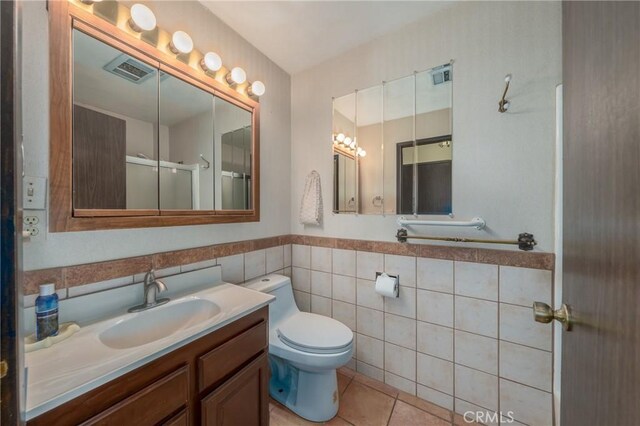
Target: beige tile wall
460 335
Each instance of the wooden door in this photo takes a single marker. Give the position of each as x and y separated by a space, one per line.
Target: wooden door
11 377
243 400
99 160
601 269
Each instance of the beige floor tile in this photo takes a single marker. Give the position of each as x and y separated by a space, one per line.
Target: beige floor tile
337 421
346 371
436 410
282 417
377 385
343 382
365 406
408 415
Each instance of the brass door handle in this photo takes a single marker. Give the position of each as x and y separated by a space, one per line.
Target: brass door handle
544 314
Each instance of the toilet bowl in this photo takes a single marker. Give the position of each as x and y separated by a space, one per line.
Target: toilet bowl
304 352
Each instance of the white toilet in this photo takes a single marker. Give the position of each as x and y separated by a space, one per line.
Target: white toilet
304 352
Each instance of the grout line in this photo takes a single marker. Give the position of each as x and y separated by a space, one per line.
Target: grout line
453 355
498 351
392 409
525 385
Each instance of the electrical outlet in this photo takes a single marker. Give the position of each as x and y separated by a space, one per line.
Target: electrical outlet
32 230
31 220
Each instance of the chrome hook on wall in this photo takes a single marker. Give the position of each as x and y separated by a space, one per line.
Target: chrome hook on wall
504 104
206 161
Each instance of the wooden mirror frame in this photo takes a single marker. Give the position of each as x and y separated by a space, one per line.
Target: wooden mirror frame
64 17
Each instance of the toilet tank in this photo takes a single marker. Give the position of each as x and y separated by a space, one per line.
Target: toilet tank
280 287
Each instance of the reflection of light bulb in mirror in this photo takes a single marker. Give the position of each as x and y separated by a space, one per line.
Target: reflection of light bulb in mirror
352 145
340 137
236 76
363 153
142 18
211 62
257 88
347 141
181 43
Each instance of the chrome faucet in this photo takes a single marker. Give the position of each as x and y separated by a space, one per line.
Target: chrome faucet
152 287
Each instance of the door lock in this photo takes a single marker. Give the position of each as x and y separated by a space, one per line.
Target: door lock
544 314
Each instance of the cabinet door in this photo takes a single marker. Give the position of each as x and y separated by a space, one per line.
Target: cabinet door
243 400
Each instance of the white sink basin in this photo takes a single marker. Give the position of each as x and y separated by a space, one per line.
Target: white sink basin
158 323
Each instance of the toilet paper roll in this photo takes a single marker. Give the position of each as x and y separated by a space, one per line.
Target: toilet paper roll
387 285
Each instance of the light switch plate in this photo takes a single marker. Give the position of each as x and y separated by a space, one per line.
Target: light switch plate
34 193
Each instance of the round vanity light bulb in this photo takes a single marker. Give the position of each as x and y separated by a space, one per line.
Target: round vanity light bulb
257 88
347 141
211 62
236 76
363 153
181 43
340 137
142 18
352 145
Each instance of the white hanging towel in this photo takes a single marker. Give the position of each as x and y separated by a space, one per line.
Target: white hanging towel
311 206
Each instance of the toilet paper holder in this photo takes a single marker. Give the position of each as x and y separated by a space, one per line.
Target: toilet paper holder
397 277
397 283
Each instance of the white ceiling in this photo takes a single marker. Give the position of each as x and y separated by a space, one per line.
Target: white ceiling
297 35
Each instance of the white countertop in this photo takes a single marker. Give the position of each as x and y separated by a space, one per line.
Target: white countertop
81 363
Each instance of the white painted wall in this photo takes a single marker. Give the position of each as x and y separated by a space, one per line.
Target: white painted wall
208 33
503 164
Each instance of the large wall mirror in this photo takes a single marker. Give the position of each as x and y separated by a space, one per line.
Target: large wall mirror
147 141
399 137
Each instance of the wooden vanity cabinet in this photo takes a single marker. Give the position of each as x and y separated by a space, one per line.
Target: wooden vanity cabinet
220 379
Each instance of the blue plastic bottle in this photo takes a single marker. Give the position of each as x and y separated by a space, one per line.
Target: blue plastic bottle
46 312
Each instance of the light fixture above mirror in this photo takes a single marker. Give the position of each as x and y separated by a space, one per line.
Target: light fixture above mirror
236 76
181 43
257 88
142 18
211 62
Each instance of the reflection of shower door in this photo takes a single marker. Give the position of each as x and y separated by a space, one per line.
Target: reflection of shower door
175 189
179 184
433 183
236 191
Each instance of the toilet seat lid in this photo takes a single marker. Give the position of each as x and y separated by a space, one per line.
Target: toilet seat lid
314 333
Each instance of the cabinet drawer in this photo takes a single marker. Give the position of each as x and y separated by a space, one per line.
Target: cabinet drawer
150 405
226 358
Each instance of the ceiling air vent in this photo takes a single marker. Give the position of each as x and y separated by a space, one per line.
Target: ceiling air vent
441 74
130 69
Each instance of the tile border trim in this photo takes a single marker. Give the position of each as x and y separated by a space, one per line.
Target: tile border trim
71 276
